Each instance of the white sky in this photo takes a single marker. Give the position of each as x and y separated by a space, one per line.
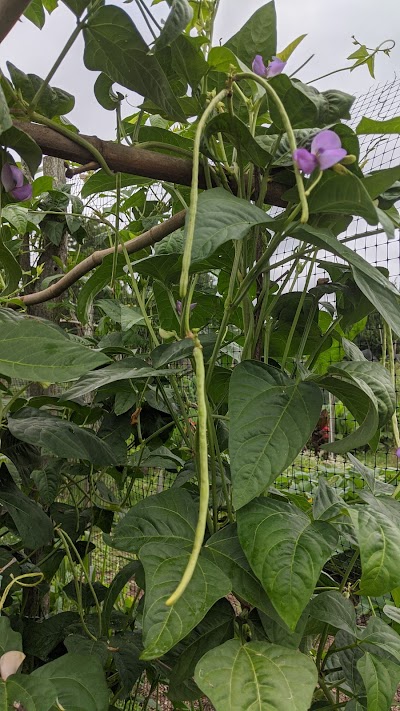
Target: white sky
329 24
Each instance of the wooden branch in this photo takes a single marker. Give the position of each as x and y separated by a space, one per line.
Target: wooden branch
155 234
128 159
10 12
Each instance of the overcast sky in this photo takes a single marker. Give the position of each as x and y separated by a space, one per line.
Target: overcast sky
329 25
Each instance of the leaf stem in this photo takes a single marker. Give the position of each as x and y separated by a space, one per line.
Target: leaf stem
203 474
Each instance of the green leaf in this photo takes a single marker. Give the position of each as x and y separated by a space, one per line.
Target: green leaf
378 379
378 637
132 66
77 6
221 217
96 282
224 549
48 483
11 268
214 629
32 350
299 105
327 504
380 677
377 531
286 551
34 527
5 118
126 369
368 126
272 418
61 437
172 352
334 609
53 101
369 279
169 517
344 195
76 644
41 639
127 660
257 36
35 13
187 61
380 181
104 94
10 641
17 216
25 146
79 681
164 565
256 676
179 17
239 135
118 583
100 182
288 51
24 692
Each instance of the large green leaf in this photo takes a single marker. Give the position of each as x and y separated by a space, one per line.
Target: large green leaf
370 280
53 101
224 549
257 676
79 681
24 692
11 267
381 180
118 583
342 195
25 146
168 517
164 565
100 182
10 641
377 530
96 282
368 126
380 677
271 418
35 13
380 639
77 6
33 350
32 524
126 369
334 609
5 118
61 437
257 36
179 17
214 629
220 217
131 66
378 379
286 551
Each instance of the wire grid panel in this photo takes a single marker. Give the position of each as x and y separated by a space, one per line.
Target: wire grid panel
376 152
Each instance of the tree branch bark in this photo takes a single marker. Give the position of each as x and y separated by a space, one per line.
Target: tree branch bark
10 12
128 159
155 234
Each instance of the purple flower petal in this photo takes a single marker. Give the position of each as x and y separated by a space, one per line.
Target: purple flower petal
7 177
325 141
22 193
275 67
326 159
258 66
305 160
179 307
193 306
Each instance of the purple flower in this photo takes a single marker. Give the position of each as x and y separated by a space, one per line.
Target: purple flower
275 67
179 307
13 181
398 452
326 150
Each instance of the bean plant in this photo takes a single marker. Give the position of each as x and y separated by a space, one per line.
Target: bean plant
170 334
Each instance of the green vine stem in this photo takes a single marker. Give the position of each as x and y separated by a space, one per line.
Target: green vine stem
203 474
290 134
194 197
390 352
73 137
18 580
298 312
